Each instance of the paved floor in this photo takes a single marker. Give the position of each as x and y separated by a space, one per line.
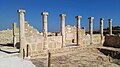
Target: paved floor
7 51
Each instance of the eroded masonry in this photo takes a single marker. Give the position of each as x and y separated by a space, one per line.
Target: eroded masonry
33 43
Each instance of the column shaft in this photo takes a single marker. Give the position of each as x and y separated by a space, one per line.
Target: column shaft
14 28
78 28
62 19
45 26
91 29
101 29
14 35
110 26
44 20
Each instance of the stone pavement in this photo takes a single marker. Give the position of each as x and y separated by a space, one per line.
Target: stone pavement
7 51
9 58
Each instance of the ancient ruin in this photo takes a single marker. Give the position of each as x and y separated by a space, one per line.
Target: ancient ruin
34 44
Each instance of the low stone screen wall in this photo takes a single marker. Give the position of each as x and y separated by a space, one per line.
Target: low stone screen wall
96 39
84 40
44 53
35 43
54 42
112 40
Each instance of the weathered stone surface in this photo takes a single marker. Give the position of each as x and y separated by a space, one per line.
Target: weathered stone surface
112 40
54 42
80 58
6 37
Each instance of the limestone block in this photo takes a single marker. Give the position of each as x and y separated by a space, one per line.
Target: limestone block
54 42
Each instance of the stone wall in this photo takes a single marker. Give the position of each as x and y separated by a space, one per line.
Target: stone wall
43 53
112 40
54 42
70 34
30 30
85 39
96 39
6 37
35 43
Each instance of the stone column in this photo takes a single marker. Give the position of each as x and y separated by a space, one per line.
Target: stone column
78 21
91 29
21 31
110 26
101 29
44 20
49 58
14 28
84 30
14 35
78 28
62 19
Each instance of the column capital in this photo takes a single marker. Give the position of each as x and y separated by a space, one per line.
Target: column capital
62 15
44 13
14 22
110 20
21 11
83 27
78 17
101 18
91 18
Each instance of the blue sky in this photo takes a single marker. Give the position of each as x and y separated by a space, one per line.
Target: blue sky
85 8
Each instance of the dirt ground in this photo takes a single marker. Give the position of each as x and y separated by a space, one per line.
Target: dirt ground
82 58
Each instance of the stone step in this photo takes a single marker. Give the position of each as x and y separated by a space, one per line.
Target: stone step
6 51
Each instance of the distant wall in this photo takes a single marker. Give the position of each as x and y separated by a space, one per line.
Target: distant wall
6 37
71 34
112 40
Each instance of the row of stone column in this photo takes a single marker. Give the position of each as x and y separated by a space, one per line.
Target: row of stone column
62 19
101 28
78 20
